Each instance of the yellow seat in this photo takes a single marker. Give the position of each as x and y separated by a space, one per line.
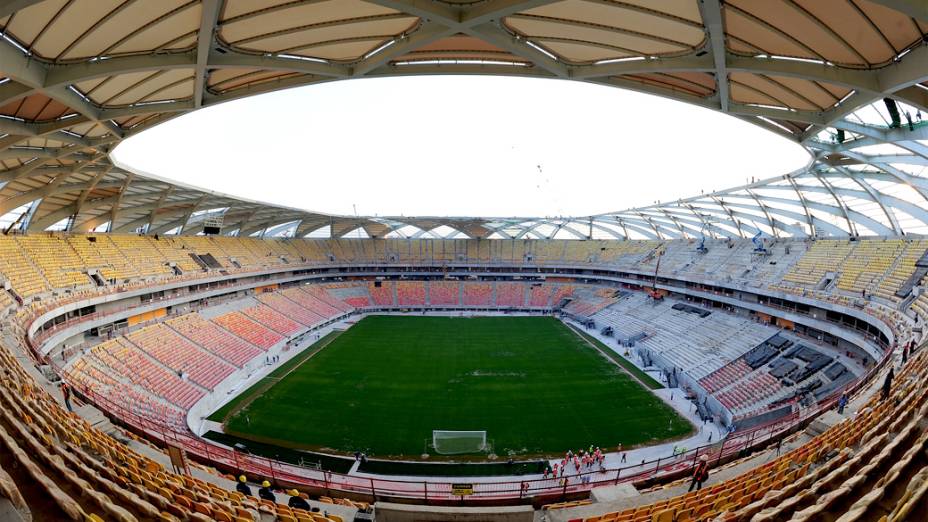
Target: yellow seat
663 516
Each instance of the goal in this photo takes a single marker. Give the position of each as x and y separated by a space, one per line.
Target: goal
447 442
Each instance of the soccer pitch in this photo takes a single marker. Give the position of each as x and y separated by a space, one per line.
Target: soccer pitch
383 385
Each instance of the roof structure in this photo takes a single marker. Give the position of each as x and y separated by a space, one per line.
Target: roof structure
847 79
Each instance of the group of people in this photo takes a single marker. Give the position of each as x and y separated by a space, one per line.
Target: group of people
297 501
582 461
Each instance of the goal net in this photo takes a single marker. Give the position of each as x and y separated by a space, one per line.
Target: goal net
458 442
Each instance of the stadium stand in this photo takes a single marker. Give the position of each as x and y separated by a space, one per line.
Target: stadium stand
836 267
272 319
23 275
510 294
290 309
444 293
316 301
540 295
98 252
352 295
210 337
382 294
140 371
180 355
828 476
128 361
410 293
251 331
477 294
324 303
58 262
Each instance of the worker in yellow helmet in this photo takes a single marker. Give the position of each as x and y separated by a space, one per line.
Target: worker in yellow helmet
265 492
296 501
242 486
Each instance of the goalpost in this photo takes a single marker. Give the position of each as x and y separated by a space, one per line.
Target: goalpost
446 442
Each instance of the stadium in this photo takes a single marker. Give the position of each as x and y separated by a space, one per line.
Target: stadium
174 353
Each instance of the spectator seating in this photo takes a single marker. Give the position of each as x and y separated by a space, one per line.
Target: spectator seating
510 294
728 374
864 270
249 330
272 319
869 466
180 355
98 252
747 393
358 301
823 256
73 471
58 262
410 293
91 380
903 268
353 295
540 295
477 294
142 253
321 301
214 339
24 276
126 360
822 478
560 292
381 295
588 306
290 309
444 293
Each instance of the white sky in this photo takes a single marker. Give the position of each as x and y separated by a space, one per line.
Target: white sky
452 145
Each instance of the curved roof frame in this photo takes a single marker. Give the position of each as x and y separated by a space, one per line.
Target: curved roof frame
57 129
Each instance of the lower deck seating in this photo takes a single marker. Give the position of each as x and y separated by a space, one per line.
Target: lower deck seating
540 295
212 338
510 294
410 293
180 355
477 294
132 366
290 309
272 319
382 293
725 375
444 293
248 330
850 472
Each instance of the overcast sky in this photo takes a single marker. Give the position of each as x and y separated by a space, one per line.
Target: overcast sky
451 145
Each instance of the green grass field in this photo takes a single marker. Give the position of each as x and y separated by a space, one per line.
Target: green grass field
382 386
